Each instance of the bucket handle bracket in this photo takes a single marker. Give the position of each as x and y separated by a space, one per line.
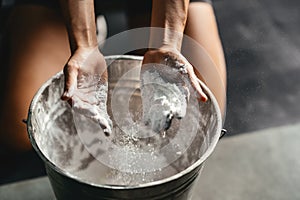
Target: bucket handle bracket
223 132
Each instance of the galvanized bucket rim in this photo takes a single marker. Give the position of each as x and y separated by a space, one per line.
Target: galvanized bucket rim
208 152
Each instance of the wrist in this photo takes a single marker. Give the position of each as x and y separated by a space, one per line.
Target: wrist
84 51
80 21
170 16
172 39
168 48
165 37
83 38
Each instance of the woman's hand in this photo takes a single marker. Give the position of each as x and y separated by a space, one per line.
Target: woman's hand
86 85
171 56
167 82
84 61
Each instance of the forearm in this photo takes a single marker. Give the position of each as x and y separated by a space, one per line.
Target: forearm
80 21
170 15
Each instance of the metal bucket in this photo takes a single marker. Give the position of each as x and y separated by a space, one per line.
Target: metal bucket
48 115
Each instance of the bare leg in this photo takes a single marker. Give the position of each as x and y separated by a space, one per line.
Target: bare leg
39 48
202 27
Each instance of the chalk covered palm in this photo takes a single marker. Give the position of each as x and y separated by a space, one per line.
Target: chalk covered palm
167 81
86 86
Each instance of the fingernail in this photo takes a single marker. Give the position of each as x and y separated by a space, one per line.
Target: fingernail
67 94
204 98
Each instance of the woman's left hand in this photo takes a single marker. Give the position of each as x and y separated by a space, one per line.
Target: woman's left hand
160 55
166 76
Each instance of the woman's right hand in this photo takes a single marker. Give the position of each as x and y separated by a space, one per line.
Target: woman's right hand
86 85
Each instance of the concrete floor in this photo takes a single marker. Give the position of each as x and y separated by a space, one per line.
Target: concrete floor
261 165
262 47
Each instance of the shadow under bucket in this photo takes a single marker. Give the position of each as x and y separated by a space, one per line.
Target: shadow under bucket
74 170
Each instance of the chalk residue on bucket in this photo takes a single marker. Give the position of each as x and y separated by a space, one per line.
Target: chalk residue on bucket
134 154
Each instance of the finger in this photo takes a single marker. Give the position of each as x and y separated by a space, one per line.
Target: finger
185 90
195 83
70 102
71 74
104 124
168 123
92 112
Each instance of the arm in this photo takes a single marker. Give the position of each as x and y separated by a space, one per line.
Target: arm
171 15
80 22
85 57
85 72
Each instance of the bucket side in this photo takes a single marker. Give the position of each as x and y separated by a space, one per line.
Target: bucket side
66 188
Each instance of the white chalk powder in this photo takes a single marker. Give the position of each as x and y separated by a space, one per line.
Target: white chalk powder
164 96
90 100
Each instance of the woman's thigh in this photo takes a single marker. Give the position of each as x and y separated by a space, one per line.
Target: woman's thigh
38 48
206 52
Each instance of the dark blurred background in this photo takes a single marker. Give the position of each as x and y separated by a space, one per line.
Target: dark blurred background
262 48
